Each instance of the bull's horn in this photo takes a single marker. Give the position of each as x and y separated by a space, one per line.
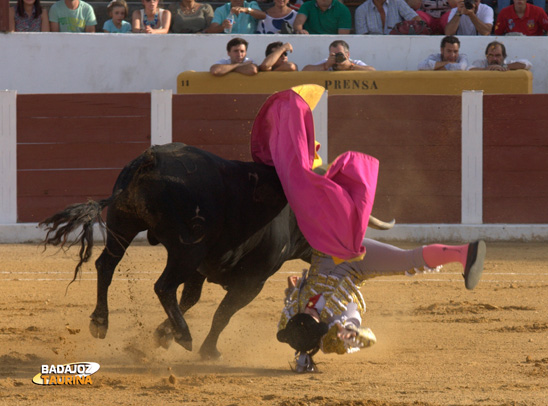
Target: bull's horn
379 224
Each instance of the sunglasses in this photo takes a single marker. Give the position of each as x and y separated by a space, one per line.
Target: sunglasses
148 1
284 54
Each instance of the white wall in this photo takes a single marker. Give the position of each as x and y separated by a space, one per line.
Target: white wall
82 63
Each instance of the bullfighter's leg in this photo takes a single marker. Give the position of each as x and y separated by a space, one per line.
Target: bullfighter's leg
191 295
181 264
383 258
236 298
115 248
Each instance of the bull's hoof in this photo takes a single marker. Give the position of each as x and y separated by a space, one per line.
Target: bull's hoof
186 344
98 327
210 354
163 336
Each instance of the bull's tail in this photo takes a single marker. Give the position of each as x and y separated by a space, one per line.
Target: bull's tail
62 224
84 215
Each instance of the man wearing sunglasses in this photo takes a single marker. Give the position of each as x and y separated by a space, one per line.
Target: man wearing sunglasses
276 58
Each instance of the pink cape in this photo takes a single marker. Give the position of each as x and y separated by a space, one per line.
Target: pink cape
332 210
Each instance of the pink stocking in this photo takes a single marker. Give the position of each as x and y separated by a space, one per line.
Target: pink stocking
438 254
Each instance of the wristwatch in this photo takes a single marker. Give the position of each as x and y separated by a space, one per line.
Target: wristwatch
249 10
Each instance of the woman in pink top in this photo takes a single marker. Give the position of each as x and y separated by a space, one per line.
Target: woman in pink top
28 16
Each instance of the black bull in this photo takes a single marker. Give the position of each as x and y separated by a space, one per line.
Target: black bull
227 221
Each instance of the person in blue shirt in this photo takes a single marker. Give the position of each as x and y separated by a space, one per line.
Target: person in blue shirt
117 11
449 57
246 14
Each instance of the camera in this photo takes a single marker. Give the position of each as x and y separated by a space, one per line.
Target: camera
469 4
340 57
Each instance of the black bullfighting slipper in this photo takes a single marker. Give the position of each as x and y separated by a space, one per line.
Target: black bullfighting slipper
474 264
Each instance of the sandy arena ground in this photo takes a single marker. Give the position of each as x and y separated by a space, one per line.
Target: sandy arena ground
438 344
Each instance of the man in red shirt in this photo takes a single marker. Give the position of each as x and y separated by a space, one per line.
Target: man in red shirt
522 17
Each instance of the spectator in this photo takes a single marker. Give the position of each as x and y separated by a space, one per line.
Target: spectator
339 59
448 58
237 60
380 16
323 17
276 58
28 16
117 11
434 12
522 17
295 4
502 4
72 16
472 18
246 14
151 19
192 17
277 17
495 59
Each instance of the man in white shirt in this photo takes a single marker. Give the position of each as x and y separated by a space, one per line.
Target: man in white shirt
448 58
470 17
495 59
237 60
339 60
378 17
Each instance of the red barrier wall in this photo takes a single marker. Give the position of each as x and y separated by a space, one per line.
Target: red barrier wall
220 124
515 151
71 147
417 140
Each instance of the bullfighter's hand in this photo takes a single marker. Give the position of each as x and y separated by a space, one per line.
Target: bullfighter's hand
344 334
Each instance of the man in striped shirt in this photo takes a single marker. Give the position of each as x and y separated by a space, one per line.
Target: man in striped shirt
379 17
